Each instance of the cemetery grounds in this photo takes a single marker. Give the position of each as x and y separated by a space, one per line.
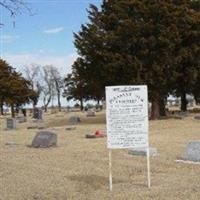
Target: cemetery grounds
78 167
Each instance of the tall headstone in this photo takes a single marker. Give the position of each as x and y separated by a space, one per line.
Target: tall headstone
44 139
37 113
10 123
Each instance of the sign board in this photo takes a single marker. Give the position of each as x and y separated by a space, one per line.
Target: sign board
127 116
127 121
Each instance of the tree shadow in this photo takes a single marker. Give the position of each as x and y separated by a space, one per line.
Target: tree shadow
93 181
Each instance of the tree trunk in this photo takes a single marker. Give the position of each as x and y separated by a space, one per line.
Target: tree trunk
81 102
162 110
155 111
12 111
1 108
59 103
46 105
155 107
183 102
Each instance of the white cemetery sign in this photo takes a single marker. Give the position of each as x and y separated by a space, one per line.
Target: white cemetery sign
127 119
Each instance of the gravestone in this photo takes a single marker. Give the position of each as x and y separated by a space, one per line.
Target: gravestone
21 119
143 151
37 113
70 128
44 139
10 123
90 113
192 152
183 114
11 144
197 117
74 120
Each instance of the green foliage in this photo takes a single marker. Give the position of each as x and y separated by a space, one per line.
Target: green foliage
14 89
140 42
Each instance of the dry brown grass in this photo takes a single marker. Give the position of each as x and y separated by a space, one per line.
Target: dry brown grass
78 167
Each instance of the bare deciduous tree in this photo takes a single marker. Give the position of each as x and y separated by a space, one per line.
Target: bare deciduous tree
15 7
33 75
58 84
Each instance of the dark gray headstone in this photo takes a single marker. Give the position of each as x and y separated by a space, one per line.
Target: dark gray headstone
143 151
74 120
44 139
192 152
10 123
37 113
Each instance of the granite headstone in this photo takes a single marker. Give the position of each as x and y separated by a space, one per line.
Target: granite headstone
44 139
37 113
10 123
197 117
192 152
74 120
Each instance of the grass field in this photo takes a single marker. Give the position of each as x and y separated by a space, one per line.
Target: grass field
78 167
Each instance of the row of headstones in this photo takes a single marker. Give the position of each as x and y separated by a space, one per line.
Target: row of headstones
11 122
182 115
47 139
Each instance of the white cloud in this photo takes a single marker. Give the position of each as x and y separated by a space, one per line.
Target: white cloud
63 63
9 38
54 30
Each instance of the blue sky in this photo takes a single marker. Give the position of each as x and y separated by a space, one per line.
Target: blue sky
47 36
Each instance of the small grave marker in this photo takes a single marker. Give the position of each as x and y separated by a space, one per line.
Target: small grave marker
21 119
90 113
70 128
74 120
10 123
37 113
143 152
197 117
192 152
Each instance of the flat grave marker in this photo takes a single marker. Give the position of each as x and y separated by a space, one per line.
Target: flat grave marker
90 113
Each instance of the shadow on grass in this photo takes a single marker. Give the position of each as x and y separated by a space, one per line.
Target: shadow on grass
93 181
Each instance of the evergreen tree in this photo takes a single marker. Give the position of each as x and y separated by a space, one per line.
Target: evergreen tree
139 42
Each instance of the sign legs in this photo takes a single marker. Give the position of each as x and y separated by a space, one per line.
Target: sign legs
110 170
148 169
